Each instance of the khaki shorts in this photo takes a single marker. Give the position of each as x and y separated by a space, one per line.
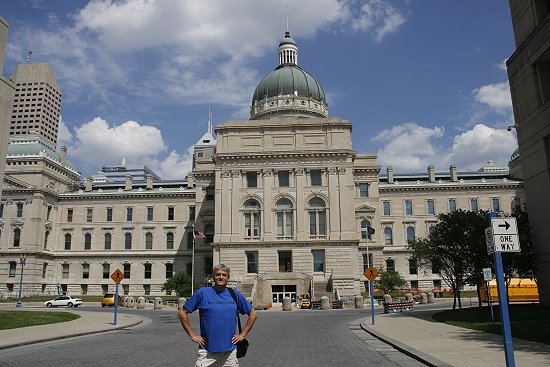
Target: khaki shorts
215 359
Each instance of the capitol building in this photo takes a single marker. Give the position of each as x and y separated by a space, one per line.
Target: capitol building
283 199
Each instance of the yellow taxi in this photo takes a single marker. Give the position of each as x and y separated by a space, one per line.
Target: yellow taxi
109 300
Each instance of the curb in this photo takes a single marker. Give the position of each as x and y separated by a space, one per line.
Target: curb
403 348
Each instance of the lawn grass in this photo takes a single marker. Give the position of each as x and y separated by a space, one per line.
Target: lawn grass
528 321
17 319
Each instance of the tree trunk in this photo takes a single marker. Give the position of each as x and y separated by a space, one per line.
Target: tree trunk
478 289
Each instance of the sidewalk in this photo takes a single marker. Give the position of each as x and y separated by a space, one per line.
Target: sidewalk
90 322
441 345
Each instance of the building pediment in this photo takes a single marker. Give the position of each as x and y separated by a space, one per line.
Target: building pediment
12 183
365 209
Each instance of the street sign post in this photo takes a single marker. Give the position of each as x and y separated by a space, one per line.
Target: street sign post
371 273
117 276
488 276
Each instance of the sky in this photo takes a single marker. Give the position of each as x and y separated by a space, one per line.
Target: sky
422 81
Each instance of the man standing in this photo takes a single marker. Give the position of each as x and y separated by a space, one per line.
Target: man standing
218 321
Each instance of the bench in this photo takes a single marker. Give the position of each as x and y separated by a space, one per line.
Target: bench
398 306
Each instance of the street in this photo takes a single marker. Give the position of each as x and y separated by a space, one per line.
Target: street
298 338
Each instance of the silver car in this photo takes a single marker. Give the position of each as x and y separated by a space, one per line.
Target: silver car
67 301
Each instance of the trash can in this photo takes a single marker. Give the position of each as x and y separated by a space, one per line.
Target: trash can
157 304
358 302
140 303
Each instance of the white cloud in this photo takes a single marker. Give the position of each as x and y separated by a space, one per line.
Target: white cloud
409 147
64 135
173 166
496 96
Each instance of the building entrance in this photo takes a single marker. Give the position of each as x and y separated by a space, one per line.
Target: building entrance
280 291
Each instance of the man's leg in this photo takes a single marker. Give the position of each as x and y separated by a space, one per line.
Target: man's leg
230 359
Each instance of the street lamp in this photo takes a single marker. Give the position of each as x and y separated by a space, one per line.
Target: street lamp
22 262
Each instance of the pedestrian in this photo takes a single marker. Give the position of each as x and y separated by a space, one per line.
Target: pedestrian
218 321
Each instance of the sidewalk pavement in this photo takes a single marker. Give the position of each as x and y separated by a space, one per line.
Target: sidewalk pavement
90 322
436 344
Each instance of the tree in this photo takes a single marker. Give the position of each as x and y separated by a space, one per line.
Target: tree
390 280
181 283
456 246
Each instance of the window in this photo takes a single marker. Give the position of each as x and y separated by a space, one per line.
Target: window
452 205
517 204
414 284
19 210
317 217
364 190
148 241
251 179
46 236
169 241
388 236
106 271
430 206
68 240
366 230
48 213
189 268
285 218
209 233
285 261
318 260
413 268
147 269
192 213
126 268
209 193
69 215
386 208
390 265
107 241
408 207
431 229
410 233
149 213
129 214
109 214
435 268
251 262
367 261
44 270
495 203
473 205
85 271
87 241
315 177
13 268
170 213
16 237
127 241
89 214
284 178
252 219
169 270
1 210
190 240
65 271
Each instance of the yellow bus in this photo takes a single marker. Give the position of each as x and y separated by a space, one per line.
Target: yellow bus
519 290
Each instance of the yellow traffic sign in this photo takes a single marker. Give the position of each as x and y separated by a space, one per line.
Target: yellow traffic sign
371 273
117 276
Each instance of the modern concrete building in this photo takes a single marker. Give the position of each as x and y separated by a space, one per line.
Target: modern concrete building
282 198
7 90
529 76
37 101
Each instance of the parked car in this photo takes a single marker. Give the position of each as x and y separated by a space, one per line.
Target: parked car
109 300
67 301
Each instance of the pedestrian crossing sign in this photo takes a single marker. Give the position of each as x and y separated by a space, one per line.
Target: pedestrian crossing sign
117 276
371 273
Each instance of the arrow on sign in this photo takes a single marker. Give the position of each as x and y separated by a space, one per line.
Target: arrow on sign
506 225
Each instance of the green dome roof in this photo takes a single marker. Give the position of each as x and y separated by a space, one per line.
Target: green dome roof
289 80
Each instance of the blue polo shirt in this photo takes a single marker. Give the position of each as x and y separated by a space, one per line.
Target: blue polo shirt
218 316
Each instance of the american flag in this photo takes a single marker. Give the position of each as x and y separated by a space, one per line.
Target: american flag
198 234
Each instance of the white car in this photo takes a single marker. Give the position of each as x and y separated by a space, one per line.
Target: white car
68 301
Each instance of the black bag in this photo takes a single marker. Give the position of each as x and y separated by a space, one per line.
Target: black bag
242 346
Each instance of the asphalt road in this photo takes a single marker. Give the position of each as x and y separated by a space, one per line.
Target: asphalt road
298 338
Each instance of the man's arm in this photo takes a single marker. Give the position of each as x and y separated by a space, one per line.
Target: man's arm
183 315
249 323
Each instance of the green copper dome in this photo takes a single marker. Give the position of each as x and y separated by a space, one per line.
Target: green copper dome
288 90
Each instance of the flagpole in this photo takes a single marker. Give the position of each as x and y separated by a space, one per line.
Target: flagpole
193 264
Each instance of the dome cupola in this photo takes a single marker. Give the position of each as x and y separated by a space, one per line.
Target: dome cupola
288 90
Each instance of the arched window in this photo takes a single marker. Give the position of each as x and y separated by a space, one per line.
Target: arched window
410 234
68 240
46 236
285 218
127 241
209 233
148 241
16 237
388 236
108 238
87 241
169 241
252 219
366 230
317 217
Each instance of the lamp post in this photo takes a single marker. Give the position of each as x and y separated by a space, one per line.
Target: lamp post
22 262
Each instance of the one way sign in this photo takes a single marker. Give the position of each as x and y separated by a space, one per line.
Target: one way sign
505 232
